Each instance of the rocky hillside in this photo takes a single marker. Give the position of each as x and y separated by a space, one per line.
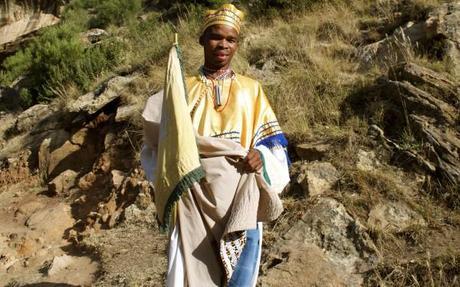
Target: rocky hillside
368 95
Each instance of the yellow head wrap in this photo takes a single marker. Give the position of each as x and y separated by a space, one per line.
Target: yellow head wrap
227 14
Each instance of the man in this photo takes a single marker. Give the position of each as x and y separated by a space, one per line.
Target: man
215 239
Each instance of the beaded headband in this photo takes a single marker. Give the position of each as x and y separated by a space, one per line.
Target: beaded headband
227 14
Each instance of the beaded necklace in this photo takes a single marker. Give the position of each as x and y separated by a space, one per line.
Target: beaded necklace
217 82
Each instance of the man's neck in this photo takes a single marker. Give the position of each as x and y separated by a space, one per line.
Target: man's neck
213 73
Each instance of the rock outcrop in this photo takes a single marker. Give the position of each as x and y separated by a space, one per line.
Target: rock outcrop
27 119
65 151
313 151
327 247
317 178
440 29
93 102
394 217
429 103
19 18
86 156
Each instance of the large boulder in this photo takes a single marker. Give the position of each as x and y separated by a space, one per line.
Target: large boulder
312 151
394 217
62 151
39 119
318 177
63 182
327 247
30 117
92 102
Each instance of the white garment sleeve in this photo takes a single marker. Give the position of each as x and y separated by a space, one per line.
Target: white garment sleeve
276 166
149 162
151 121
176 269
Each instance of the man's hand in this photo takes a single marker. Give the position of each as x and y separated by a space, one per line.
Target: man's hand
252 161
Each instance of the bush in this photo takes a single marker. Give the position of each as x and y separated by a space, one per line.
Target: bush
116 12
58 58
14 66
25 98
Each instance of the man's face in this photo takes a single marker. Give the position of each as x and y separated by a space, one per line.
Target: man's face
220 43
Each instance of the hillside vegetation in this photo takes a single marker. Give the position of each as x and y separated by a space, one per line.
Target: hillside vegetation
388 127
316 54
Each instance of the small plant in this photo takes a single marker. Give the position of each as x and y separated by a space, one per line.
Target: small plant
26 98
115 12
409 141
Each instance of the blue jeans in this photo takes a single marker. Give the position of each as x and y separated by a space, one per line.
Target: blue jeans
246 267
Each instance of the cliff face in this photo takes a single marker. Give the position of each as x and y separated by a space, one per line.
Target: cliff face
21 17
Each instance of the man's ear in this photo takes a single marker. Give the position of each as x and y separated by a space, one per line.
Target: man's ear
201 40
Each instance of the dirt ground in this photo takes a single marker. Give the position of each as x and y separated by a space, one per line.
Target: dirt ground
35 251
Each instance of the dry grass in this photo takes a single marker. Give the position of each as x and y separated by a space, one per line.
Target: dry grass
307 63
405 258
438 271
312 69
309 74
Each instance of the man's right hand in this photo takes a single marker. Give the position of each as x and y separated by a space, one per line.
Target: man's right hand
253 161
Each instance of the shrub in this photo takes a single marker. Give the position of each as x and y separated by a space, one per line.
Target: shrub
14 66
25 98
116 12
58 58
149 40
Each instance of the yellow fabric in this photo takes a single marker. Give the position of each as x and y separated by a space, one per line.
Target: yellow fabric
245 115
227 14
177 151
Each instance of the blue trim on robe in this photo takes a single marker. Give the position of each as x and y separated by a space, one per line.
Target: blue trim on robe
275 141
